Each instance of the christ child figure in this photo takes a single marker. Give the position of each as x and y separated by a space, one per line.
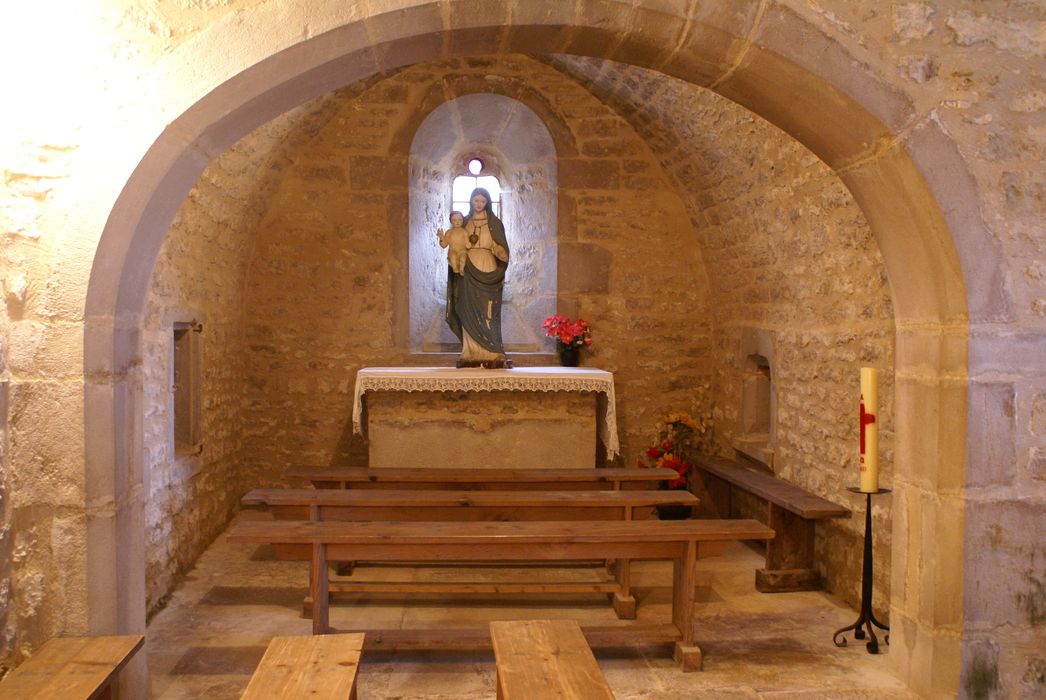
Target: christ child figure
457 238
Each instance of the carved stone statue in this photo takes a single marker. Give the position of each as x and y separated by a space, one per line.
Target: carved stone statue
474 296
457 238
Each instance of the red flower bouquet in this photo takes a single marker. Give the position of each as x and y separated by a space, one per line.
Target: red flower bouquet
568 333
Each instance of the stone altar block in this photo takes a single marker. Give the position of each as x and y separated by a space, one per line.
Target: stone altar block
522 418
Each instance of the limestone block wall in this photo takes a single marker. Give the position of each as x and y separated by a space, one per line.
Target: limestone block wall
6 533
974 74
790 254
326 265
42 553
200 276
327 277
955 82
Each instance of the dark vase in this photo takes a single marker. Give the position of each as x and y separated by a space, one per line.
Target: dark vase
673 512
568 354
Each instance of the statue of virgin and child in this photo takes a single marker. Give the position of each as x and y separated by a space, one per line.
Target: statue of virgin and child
476 263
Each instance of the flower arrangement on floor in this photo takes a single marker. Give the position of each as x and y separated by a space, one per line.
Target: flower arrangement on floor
570 337
678 435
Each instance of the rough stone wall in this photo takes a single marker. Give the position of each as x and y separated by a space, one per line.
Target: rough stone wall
789 252
323 281
971 69
975 72
200 276
42 553
7 632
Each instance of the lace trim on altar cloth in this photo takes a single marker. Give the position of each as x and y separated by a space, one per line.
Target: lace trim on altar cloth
519 379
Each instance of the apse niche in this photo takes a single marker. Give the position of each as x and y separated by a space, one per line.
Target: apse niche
515 147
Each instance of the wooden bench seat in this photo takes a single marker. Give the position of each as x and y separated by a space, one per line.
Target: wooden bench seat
729 489
313 668
72 668
428 504
471 479
545 659
526 541
431 504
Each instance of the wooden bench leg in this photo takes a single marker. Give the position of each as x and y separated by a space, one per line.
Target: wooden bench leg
318 588
688 657
684 571
789 556
337 567
713 494
624 602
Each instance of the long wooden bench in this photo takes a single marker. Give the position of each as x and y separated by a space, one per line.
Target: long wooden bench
545 659
729 489
307 668
431 504
472 479
72 668
323 542
428 504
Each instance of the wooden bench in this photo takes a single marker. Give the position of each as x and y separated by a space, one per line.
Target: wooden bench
545 659
729 489
72 668
327 541
472 479
317 668
429 505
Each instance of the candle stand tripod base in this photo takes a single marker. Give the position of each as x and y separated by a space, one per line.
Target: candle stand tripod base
866 619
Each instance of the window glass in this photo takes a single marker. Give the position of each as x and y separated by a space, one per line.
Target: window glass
462 189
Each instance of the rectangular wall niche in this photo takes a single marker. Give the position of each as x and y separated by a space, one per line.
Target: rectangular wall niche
186 387
758 403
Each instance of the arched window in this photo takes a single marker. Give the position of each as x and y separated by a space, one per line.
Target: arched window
509 151
465 184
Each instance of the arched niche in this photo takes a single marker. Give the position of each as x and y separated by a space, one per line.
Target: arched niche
516 147
901 171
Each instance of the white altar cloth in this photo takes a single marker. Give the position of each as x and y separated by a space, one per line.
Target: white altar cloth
477 379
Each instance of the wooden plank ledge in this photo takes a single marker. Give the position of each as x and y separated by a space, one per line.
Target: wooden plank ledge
319 668
770 488
358 477
408 498
71 668
545 659
396 533
730 489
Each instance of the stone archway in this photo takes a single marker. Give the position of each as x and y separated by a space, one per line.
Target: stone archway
900 170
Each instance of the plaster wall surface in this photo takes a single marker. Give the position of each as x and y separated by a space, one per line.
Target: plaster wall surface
957 85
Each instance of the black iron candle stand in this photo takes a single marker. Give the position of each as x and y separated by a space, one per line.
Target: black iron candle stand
866 618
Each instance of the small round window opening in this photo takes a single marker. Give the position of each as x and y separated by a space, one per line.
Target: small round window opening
463 185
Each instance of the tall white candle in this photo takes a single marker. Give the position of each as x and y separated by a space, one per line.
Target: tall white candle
869 425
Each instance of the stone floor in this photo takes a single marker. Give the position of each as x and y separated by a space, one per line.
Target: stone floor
209 638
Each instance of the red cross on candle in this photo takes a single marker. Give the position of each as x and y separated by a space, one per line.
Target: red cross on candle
866 420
